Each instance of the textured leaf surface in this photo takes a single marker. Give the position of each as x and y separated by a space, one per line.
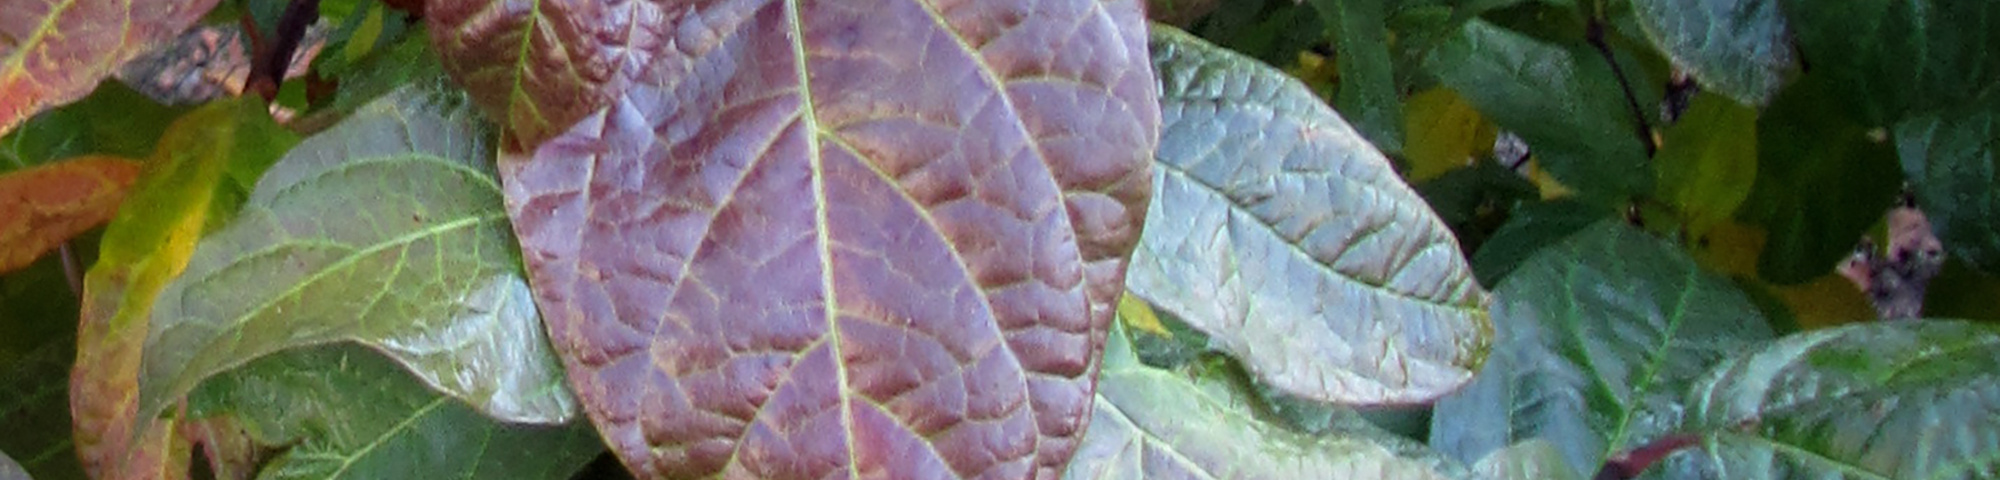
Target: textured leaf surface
1951 159
1278 231
1888 58
388 230
541 65
842 239
1154 423
1562 99
1708 161
42 207
1599 336
1532 459
57 50
1822 180
195 180
342 411
1917 399
1739 48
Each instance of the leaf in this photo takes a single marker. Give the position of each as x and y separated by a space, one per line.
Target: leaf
1738 48
803 251
33 408
1153 423
1445 133
1367 87
385 230
195 180
114 120
1279 232
1915 399
342 411
1534 226
1599 336
42 207
1562 99
1139 316
1532 459
1708 161
1888 58
540 66
59 49
1949 157
1822 180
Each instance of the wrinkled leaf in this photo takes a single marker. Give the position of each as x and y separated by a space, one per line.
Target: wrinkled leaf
342 411
1822 180
1950 157
1532 459
1599 336
40 208
1562 99
1280 233
387 230
1445 133
847 237
1153 423
114 120
58 50
1888 58
1915 399
194 181
540 66
1708 161
1367 87
1738 48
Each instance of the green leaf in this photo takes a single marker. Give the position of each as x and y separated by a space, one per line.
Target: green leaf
1276 230
388 230
1738 48
1888 58
1708 161
1532 459
37 347
1153 423
1913 399
342 411
1367 82
1533 227
1949 156
1822 180
1599 336
1562 99
113 120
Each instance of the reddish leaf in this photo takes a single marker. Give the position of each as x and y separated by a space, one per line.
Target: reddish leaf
897 262
42 207
541 65
60 49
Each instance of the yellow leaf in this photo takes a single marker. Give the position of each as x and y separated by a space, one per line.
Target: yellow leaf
1139 316
1443 133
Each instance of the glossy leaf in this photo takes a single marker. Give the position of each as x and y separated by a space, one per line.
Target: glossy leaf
42 207
386 230
1889 58
540 66
1599 336
1952 158
1917 399
1532 459
1562 99
194 181
846 238
1708 161
1367 91
59 49
342 411
1741 49
1822 180
1279 232
1154 423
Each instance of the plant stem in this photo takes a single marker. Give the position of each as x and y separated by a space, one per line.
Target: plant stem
1630 464
273 58
72 270
1643 128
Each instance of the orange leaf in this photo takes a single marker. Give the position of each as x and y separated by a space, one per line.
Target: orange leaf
60 49
44 206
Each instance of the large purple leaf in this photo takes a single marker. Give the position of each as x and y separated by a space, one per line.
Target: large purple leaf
874 238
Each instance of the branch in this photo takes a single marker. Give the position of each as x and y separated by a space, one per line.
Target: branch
273 58
1643 128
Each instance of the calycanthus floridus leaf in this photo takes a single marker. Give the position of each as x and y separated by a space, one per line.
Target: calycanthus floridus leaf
1599 336
1738 48
342 411
387 230
1279 232
58 50
1155 423
1910 399
841 238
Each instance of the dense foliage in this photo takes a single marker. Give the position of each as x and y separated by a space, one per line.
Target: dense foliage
1449 239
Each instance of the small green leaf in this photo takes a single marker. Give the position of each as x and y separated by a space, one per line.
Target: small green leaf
1822 180
113 120
1533 227
1950 158
1913 399
365 35
1708 161
1738 48
1562 99
1367 91
1152 423
387 229
342 411
1279 232
1532 459
1889 58
1599 336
